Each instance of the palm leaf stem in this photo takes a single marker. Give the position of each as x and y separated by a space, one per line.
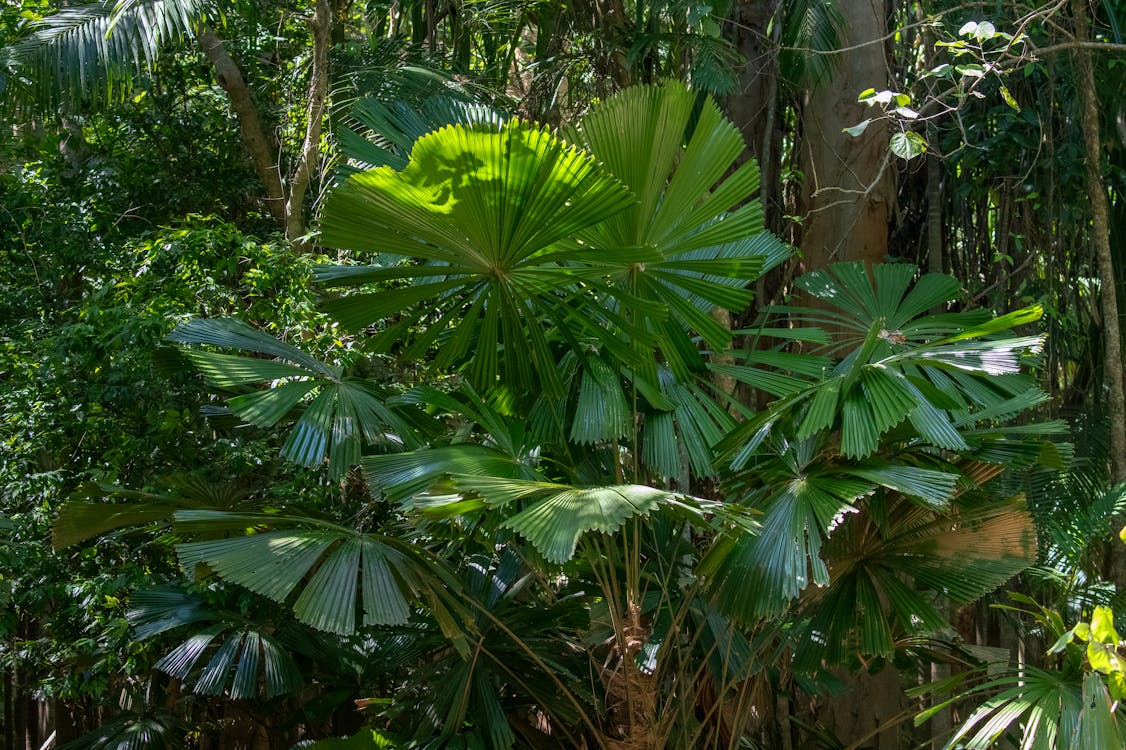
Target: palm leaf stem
543 702
539 662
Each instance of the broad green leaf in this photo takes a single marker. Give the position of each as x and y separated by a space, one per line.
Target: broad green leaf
342 415
339 576
247 664
696 209
401 475
908 145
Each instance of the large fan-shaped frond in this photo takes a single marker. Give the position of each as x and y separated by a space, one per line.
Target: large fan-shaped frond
696 212
483 208
341 578
553 517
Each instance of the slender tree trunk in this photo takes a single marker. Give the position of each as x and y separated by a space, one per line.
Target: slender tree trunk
847 184
753 105
254 137
321 25
1100 238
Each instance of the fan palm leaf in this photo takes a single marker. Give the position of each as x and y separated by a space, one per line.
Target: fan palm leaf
881 569
553 516
339 577
340 413
80 519
234 662
99 49
696 215
385 132
938 373
130 731
484 208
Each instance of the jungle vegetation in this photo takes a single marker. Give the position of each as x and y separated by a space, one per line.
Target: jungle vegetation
625 375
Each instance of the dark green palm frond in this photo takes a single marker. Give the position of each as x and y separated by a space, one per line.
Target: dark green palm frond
484 210
692 422
882 570
602 412
226 660
338 414
480 697
162 608
80 519
100 50
130 731
341 577
939 373
398 476
803 499
553 517
811 35
1044 708
714 65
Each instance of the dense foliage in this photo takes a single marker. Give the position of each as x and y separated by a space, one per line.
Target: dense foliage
601 374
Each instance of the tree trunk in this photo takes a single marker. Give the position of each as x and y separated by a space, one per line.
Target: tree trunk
262 154
321 26
1100 239
752 108
869 712
847 185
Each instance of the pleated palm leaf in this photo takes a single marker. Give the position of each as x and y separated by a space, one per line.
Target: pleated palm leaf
697 217
334 578
84 515
486 442
888 566
98 49
223 656
939 373
384 132
524 660
132 731
805 494
338 414
553 517
917 408
473 226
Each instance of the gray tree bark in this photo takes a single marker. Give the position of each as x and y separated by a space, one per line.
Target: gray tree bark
321 26
847 186
1100 238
